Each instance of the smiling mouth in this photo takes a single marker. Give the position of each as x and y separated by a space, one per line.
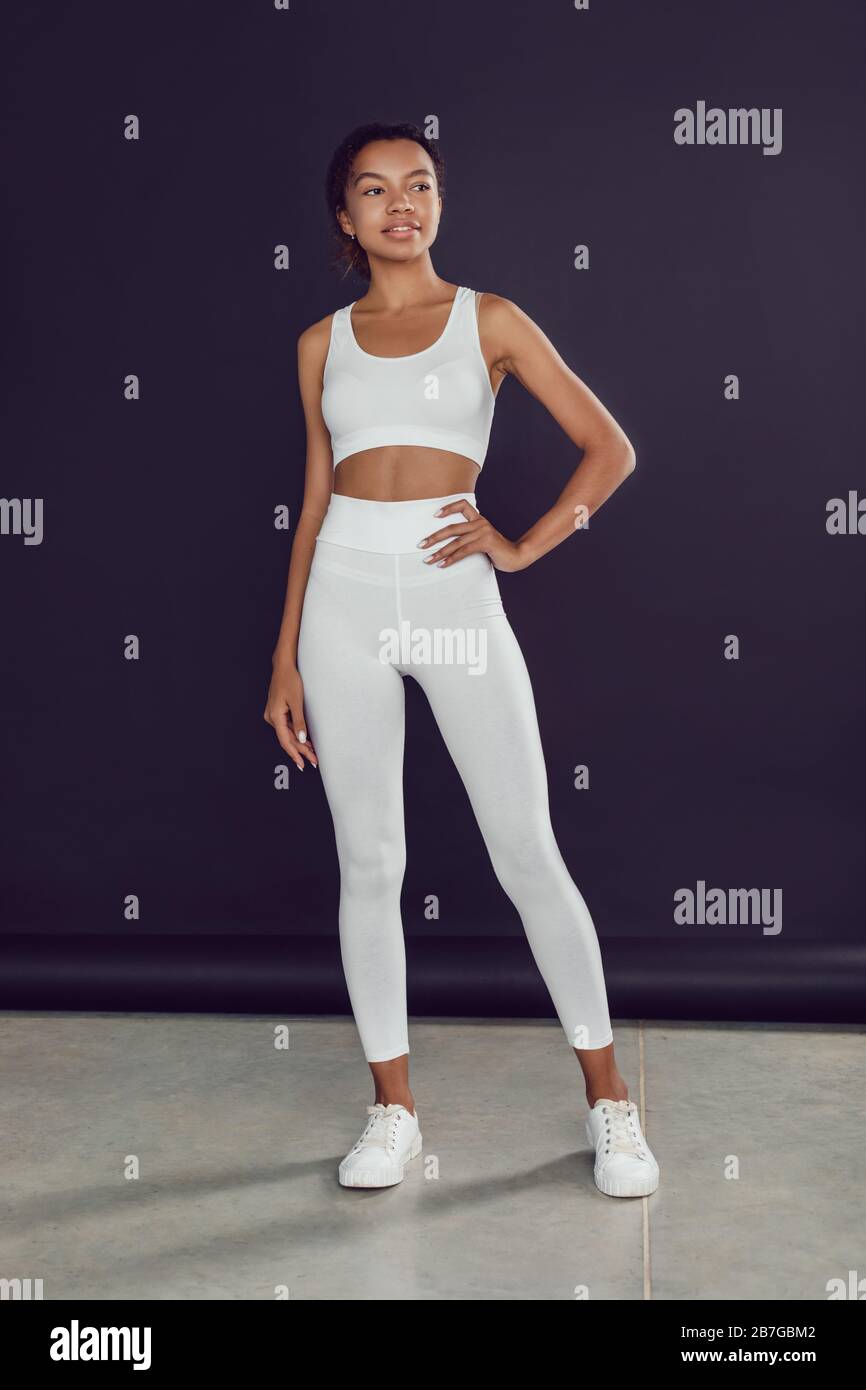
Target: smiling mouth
403 227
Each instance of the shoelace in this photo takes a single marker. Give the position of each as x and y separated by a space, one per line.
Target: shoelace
620 1134
381 1128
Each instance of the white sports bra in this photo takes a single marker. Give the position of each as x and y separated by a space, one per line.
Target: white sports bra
440 397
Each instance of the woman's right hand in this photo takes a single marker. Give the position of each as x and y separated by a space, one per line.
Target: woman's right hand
284 711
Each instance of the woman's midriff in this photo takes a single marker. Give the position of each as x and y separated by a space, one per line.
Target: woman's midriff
403 473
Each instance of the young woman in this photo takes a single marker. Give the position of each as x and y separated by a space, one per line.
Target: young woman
393 573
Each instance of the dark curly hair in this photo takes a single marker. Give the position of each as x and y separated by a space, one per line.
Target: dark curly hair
346 253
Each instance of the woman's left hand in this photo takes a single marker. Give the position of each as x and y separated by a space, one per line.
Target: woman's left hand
477 533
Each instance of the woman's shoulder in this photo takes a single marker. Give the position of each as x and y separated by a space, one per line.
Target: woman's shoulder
504 314
314 341
318 330
495 309
493 302
496 313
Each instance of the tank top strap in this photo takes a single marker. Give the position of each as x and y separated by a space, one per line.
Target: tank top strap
340 330
464 314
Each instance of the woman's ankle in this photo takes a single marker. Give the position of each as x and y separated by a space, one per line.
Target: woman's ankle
407 1101
618 1091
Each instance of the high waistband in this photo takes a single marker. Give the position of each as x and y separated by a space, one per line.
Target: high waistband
391 528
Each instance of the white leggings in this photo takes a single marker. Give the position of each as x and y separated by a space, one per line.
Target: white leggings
374 613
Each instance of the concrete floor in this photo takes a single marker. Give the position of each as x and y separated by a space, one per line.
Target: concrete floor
237 1144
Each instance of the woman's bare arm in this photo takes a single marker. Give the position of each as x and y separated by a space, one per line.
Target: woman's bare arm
608 456
284 708
521 349
318 484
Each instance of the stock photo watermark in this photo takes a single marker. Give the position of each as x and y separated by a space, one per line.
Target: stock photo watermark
437 646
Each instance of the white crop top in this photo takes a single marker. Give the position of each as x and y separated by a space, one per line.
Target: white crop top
440 397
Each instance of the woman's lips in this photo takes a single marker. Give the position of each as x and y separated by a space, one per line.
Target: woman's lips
401 232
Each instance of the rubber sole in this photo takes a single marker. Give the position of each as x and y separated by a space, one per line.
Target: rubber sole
387 1178
632 1188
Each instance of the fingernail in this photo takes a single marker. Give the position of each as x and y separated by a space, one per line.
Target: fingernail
440 511
302 737
420 543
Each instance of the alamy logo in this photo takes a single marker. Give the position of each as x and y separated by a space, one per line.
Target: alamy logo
737 126
439 646
76 1343
20 1289
846 517
855 1288
22 516
737 906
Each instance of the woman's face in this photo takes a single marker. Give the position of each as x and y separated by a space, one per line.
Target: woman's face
392 182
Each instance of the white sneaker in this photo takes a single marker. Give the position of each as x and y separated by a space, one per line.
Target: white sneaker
624 1163
392 1136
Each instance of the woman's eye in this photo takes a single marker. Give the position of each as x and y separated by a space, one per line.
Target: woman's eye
377 188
